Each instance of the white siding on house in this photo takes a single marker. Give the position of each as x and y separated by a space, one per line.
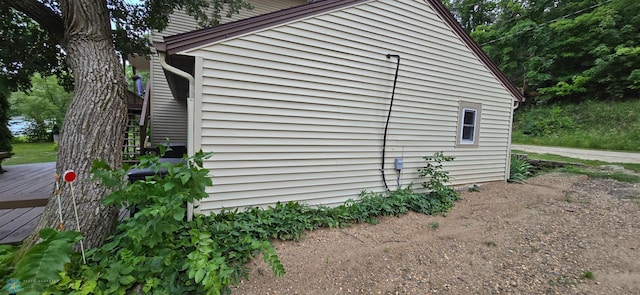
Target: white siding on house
169 116
297 112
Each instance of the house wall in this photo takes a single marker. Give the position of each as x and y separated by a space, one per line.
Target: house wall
168 115
297 112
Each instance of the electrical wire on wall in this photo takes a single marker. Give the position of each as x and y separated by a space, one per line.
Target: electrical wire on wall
386 126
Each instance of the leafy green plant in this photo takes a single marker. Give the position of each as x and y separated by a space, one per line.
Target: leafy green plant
434 225
568 199
156 251
519 170
544 121
7 254
587 275
40 266
440 194
433 170
39 132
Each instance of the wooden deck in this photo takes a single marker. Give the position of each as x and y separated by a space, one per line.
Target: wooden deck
24 191
28 185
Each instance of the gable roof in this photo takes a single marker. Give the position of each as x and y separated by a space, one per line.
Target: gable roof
189 40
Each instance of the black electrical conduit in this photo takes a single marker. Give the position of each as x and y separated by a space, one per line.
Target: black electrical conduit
386 126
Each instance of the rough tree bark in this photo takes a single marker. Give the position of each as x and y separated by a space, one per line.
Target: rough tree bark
94 123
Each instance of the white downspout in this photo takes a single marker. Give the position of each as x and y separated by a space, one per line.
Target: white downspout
190 112
515 105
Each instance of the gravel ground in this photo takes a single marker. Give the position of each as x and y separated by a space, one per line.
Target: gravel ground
543 237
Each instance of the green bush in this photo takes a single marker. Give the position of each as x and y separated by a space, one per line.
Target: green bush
160 252
544 121
156 251
19 139
519 170
40 265
39 133
590 125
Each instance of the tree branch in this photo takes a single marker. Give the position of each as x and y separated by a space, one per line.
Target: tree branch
48 19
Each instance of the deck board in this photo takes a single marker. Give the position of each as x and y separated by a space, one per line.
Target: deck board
28 185
24 191
17 229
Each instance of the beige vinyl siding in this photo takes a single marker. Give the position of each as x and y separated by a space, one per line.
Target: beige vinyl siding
297 112
169 116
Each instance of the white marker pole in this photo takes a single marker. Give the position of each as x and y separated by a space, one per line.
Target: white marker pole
69 176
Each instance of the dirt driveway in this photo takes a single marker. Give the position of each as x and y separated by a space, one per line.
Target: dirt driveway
544 237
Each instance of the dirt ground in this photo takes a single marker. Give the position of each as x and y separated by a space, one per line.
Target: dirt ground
543 237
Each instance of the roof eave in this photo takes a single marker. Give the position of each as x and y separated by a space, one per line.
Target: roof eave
193 39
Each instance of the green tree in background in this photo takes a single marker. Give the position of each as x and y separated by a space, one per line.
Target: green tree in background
76 36
472 13
45 103
566 50
605 59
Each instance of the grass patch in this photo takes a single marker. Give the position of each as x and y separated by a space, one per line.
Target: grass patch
27 153
591 163
619 176
588 275
590 125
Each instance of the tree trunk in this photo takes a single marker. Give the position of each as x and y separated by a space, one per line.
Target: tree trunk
94 124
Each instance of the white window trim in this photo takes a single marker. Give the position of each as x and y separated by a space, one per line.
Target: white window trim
463 108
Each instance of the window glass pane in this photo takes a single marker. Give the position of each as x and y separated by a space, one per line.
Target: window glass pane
469 117
467 133
469 124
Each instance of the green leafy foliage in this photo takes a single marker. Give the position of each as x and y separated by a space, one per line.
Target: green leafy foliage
7 254
38 133
156 251
472 13
40 266
26 49
437 177
45 104
561 50
538 121
519 169
590 125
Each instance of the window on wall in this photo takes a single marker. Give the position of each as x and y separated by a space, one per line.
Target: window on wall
468 124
